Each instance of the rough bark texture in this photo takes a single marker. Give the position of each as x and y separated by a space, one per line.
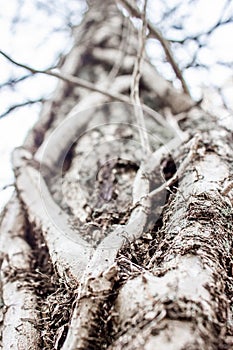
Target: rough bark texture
96 252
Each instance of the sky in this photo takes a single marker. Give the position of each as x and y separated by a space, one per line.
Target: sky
33 41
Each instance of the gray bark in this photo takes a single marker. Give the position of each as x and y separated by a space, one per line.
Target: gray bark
96 251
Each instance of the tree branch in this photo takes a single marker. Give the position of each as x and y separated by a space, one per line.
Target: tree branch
69 252
13 81
84 84
68 78
165 43
136 76
19 105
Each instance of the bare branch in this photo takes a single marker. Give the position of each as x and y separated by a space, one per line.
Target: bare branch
136 76
69 252
6 186
87 85
68 78
165 43
20 105
202 34
162 88
13 81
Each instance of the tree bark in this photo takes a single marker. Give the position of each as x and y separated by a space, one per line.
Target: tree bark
104 246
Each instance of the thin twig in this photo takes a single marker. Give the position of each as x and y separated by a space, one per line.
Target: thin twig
6 187
19 105
135 84
86 85
68 78
165 43
13 81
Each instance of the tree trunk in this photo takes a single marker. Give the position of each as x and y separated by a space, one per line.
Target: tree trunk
105 245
